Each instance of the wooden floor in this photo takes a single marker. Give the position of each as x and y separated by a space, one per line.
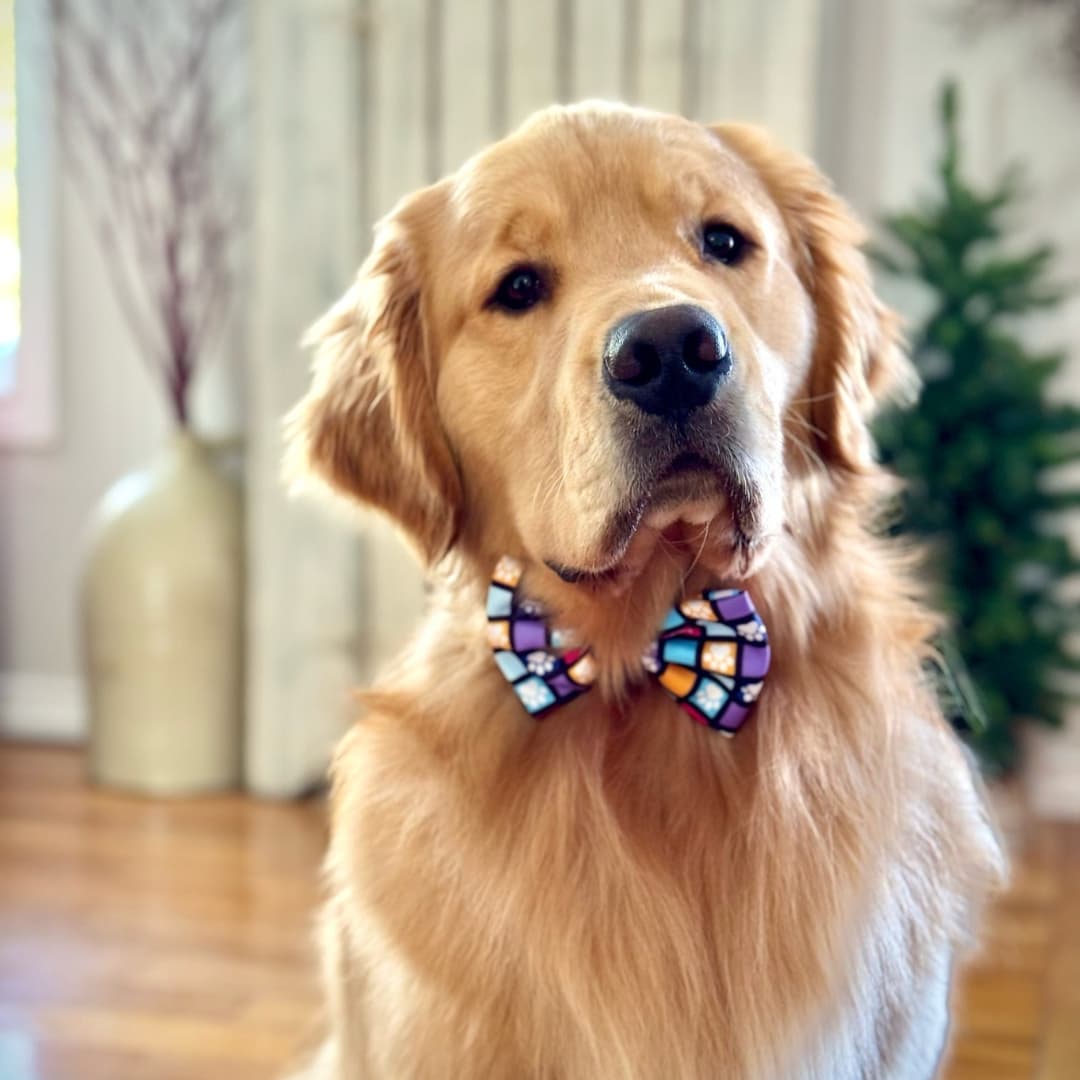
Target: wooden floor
145 940
1017 1007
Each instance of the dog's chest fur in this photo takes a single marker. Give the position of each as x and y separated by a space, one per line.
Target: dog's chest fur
627 895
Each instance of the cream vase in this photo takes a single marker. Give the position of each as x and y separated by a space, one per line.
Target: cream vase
162 603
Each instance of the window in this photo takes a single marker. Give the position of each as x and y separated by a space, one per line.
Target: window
28 413
9 204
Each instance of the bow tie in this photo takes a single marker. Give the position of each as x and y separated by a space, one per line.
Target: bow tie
711 655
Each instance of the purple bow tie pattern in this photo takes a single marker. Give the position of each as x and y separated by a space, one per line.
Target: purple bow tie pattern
712 653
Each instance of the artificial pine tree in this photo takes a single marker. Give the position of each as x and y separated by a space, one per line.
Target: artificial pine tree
980 449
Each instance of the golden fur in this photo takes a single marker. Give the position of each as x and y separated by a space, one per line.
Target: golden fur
615 891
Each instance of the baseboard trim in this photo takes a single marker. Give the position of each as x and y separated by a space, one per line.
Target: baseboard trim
41 708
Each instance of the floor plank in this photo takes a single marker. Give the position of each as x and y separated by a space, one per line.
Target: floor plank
144 940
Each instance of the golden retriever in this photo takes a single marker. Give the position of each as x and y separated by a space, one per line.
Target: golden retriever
613 890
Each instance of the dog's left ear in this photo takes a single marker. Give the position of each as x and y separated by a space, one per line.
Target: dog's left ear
857 360
369 427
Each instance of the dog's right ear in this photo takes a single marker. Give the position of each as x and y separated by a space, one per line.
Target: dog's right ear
368 426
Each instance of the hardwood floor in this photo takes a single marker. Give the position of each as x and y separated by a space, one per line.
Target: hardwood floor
1017 1008
144 940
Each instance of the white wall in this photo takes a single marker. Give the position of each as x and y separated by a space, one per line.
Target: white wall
880 139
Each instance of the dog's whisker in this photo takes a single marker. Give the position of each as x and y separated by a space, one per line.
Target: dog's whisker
548 487
700 551
810 455
812 400
809 427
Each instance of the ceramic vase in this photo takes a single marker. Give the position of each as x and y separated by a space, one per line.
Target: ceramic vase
162 606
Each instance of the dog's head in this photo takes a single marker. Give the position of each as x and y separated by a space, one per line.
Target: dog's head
613 334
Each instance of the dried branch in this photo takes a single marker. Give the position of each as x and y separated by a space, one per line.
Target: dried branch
140 89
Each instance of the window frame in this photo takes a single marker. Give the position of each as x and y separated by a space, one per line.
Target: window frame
30 411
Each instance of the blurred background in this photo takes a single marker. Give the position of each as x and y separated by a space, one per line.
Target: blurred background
184 187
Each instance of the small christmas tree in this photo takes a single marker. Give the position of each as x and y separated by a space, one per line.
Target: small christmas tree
980 450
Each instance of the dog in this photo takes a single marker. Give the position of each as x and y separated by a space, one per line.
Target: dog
629 358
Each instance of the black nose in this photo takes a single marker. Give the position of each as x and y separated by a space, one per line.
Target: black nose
667 361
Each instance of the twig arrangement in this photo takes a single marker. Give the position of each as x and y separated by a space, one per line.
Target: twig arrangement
143 118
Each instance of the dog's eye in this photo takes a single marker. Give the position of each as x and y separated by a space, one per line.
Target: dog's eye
724 243
520 289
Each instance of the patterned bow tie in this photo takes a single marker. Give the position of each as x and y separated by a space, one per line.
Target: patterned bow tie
711 656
